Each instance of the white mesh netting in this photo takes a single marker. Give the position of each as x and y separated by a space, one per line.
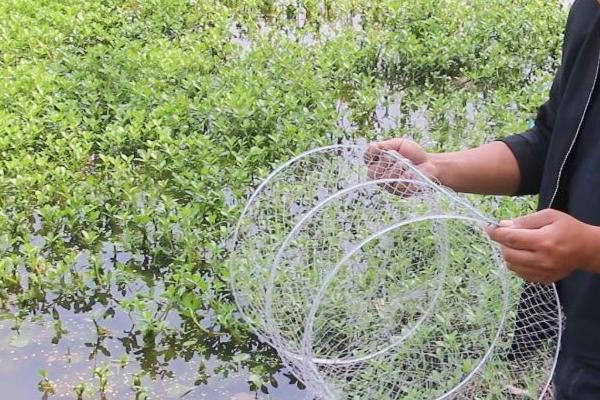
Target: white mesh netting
374 282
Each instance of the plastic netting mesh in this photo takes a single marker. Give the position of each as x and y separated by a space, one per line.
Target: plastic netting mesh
374 282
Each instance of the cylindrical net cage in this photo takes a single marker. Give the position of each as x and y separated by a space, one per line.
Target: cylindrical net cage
374 282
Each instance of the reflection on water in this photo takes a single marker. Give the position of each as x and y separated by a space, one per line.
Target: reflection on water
76 358
91 341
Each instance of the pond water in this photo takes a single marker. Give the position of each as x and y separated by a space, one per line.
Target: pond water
74 358
91 345
89 341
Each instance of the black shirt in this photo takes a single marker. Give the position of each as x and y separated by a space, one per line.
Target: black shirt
583 182
580 292
542 150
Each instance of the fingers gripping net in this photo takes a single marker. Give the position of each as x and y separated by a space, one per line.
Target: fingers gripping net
374 282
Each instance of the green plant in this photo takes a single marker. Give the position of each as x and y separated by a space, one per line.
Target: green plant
132 131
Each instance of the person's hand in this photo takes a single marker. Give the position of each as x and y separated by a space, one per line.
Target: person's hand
546 246
379 163
383 166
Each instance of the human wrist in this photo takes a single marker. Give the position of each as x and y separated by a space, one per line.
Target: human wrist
591 248
438 168
444 169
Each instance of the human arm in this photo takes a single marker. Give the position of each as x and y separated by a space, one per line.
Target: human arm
488 169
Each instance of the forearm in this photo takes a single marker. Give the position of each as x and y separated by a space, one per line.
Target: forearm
488 169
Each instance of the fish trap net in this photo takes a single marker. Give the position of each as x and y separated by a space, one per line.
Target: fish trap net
374 282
